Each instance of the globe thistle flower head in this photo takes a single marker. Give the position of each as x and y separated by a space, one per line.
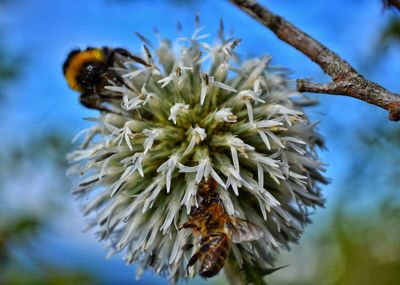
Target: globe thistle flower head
185 117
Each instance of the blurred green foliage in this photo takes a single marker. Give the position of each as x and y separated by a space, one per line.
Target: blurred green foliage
15 231
49 145
22 227
359 242
390 35
369 247
9 67
358 249
52 277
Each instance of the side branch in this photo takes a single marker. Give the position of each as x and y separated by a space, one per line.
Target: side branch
345 79
395 3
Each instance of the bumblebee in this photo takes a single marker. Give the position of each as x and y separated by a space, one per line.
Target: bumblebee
217 230
88 72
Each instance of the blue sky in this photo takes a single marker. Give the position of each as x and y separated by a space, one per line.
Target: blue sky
44 31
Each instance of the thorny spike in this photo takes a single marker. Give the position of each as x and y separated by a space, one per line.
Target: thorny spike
148 55
235 43
138 59
144 39
197 21
221 30
197 57
179 26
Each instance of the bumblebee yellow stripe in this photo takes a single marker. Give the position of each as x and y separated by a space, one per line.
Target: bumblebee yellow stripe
76 63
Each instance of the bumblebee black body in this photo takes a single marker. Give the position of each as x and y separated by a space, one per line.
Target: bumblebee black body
88 71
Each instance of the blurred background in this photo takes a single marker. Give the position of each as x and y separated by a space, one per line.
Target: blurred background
355 239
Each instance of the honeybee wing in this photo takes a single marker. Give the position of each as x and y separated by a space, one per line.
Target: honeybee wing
242 230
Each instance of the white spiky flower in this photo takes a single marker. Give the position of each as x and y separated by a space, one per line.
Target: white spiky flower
178 123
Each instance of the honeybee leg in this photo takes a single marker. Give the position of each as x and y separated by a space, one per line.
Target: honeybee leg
211 235
213 238
187 246
208 218
205 247
189 225
194 259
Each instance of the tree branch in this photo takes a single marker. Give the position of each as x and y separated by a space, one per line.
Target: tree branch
345 79
395 3
314 87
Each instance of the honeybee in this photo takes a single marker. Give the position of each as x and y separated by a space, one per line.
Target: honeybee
217 230
88 71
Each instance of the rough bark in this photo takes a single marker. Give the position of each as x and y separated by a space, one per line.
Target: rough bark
345 79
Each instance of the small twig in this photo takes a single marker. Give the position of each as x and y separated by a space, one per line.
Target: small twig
345 79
